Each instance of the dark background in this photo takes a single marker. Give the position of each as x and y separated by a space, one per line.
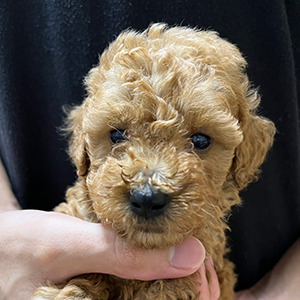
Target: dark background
46 49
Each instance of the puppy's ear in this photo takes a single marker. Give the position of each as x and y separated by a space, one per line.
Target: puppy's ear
77 143
258 134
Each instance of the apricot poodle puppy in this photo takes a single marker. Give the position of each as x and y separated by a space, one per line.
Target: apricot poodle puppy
166 138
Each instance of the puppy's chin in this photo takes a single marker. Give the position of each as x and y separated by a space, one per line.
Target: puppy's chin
151 237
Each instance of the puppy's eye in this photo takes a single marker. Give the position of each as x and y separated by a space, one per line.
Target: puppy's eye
201 141
116 136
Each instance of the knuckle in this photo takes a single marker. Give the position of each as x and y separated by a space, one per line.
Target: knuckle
46 253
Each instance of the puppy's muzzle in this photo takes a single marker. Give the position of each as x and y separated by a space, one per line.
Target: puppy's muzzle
147 202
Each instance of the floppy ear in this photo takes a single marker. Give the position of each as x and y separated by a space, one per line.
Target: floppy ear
77 143
258 138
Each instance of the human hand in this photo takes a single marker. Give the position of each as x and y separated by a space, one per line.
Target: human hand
37 246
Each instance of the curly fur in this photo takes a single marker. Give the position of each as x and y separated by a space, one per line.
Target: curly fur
161 86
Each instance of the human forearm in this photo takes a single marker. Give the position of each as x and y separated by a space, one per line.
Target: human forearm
282 283
8 200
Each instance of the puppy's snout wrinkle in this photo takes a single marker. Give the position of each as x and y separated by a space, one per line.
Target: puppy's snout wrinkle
147 202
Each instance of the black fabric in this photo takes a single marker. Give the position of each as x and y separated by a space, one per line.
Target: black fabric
47 47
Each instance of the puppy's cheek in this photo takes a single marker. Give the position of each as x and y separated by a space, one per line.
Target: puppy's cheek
107 190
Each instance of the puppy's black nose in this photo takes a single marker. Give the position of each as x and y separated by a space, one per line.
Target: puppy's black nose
147 202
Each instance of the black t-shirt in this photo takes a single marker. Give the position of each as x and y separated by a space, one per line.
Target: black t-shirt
46 49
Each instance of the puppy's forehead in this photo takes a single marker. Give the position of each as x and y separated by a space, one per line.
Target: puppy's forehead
171 74
185 88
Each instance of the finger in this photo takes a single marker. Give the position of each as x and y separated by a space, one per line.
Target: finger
178 261
203 286
214 287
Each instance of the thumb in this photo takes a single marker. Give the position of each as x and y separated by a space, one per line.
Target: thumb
179 261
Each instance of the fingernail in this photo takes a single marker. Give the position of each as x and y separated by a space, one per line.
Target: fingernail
189 254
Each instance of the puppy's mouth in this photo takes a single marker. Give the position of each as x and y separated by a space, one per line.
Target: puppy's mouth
153 236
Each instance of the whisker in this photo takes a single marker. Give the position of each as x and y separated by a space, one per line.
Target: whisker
207 212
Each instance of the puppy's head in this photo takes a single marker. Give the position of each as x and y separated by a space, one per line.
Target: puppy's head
167 135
